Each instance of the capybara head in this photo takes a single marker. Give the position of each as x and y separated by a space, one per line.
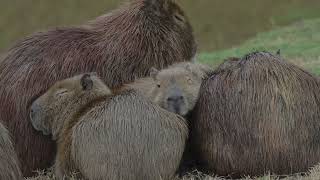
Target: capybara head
66 94
176 88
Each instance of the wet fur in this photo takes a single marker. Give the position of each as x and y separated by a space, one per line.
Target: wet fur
120 46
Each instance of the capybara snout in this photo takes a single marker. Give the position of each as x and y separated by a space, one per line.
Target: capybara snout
176 101
35 116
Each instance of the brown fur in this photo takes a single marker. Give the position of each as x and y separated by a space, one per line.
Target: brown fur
9 165
258 114
185 76
109 136
119 46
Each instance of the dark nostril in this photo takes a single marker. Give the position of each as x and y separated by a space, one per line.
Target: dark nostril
175 98
33 110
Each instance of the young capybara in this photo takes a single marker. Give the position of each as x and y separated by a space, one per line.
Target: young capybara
103 135
258 114
119 46
9 165
174 88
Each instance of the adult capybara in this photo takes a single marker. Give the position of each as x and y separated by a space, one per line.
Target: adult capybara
9 165
175 88
104 135
119 46
256 115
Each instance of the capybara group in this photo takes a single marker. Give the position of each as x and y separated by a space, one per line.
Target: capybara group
109 135
9 165
258 114
175 88
120 46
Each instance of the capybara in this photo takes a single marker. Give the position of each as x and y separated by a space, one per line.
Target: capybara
102 135
9 165
174 88
255 115
119 46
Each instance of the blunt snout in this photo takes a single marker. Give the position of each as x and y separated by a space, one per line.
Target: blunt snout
34 109
36 118
176 101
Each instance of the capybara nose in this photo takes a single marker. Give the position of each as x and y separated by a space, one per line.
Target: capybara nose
34 110
175 99
175 103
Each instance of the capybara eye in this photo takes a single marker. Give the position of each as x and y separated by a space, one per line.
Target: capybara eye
178 17
158 85
61 92
189 80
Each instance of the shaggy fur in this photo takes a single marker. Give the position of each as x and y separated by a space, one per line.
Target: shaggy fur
109 136
9 166
256 115
119 46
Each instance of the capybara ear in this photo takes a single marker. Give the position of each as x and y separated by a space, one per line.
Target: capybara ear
188 67
86 82
154 72
279 52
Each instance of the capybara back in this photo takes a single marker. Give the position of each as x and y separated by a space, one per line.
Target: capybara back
256 115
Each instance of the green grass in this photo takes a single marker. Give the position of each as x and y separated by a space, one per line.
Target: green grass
299 43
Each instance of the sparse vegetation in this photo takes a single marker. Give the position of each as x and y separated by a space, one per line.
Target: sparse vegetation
313 174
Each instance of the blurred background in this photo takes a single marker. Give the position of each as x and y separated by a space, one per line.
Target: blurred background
221 26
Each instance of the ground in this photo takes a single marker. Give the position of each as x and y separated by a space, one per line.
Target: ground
299 44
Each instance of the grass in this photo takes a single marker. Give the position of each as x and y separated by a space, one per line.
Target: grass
299 43
313 174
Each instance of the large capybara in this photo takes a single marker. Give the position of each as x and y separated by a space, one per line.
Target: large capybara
175 88
258 114
103 135
9 165
119 46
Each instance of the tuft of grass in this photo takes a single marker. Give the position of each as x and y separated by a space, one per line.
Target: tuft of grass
299 43
313 174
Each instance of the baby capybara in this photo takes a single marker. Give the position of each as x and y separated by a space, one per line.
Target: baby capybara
258 114
119 46
9 165
105 135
